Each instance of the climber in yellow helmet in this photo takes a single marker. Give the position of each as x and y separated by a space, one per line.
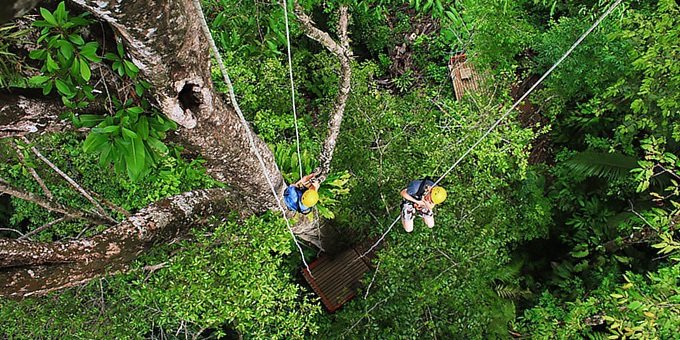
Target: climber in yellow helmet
420 196
302 195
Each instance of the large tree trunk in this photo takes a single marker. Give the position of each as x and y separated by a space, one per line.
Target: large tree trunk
35 268
164 40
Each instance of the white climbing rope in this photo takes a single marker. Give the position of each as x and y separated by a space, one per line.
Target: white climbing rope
244 122
292 87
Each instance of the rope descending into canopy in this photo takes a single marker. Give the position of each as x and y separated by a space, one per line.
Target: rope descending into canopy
507 112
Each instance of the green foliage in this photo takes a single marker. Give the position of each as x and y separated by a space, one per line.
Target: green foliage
639 307
131 138
230 279
10 62
233 277
171 176
128 139
65 56
121 65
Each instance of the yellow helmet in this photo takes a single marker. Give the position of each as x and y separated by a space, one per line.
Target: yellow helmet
438 195
309 198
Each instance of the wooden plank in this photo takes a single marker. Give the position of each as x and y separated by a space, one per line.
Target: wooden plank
463 76
335 279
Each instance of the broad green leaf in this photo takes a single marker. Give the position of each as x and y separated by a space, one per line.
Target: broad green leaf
75 68
85 70
48 87
38 80
135 109
131 68
129 133
76 39
157 146
93 141
135 158
89 121
37 54
63 88
142 127
579 254
107 129
66 49
105 155
48 16
60 13
51 64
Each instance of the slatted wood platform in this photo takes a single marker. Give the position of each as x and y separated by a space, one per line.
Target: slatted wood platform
465 78
336 279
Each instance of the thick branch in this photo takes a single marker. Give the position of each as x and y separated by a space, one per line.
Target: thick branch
342 51
20 115
34 268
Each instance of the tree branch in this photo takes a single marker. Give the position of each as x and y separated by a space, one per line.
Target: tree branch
21 115
70 181
49 205
318 35
33 173
343 53
36 268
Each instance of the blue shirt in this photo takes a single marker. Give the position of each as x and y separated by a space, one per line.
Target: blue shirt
413 186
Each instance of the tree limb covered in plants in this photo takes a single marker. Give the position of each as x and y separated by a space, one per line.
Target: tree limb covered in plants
343 53
36 268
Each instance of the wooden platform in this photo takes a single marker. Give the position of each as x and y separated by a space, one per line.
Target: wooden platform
337 279
465 78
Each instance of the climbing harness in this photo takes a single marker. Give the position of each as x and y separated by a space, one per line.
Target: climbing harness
507 113
232 97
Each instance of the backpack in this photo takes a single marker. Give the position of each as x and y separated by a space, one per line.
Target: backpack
292 197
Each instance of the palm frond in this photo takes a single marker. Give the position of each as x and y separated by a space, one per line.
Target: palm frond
609 166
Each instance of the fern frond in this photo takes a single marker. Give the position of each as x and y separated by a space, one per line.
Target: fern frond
510 292
609 166
510 271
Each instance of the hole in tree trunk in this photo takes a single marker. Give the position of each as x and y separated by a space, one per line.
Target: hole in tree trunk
190 97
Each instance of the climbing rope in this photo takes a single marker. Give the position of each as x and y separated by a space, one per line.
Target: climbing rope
232 97
507 113
292 87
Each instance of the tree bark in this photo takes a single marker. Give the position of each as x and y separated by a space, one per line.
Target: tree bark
13 8
36 268
21 115
167 45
